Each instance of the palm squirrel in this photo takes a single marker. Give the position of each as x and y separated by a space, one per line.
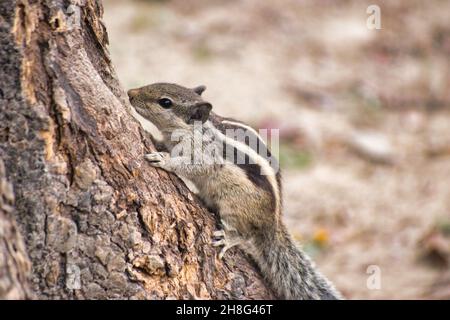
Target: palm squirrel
234 176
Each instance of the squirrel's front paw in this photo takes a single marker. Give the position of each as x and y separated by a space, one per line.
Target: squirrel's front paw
157 159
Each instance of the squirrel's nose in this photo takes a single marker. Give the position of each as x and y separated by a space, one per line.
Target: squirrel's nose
132 93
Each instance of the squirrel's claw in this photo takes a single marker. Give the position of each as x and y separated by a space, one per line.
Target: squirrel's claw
223 240
219 233
156 159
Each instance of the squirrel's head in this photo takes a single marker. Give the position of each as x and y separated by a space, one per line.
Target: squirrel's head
170 106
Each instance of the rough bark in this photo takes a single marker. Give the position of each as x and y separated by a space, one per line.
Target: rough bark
14 262
97 221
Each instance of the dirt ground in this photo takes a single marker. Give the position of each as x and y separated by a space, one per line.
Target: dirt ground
364 119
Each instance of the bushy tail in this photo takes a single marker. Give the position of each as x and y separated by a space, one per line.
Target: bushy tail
290 272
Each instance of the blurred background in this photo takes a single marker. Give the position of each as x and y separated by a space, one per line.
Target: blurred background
364 119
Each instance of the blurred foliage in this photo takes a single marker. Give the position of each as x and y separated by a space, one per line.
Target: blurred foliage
202 52
294 158
142 21
444 227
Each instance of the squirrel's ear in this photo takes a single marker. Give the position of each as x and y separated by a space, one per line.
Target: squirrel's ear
199 89
200 112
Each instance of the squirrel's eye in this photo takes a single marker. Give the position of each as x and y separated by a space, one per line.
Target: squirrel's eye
165 103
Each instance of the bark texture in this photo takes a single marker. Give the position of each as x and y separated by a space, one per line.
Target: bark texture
97 221
14 262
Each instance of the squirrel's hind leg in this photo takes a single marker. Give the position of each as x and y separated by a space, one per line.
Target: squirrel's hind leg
226 238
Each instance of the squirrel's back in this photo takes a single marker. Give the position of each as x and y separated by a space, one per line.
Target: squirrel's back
290 273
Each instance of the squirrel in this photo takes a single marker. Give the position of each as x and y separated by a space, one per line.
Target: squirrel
246 194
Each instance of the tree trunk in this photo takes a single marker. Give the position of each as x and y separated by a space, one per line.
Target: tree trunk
14 262
97 221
